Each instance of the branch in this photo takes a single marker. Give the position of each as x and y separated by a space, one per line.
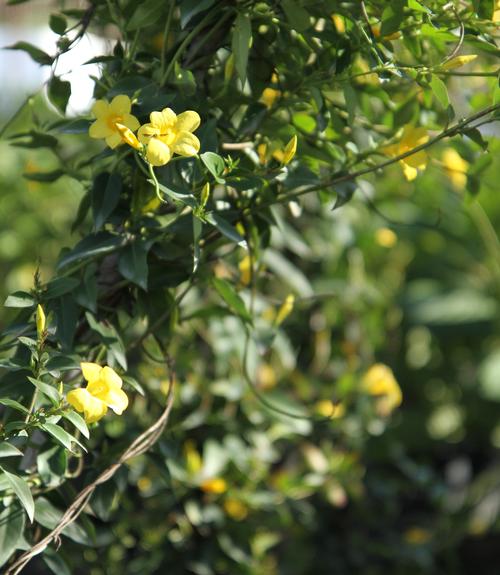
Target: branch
140 445
452 131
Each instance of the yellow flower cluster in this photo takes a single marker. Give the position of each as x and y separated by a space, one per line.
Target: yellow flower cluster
103 391
380 382
166 133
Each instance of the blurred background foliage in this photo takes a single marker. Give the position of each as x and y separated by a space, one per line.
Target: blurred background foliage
404 273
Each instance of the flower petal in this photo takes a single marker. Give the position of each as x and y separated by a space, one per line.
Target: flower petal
111 378
187 121
93 408
91 371
158 153
146 132
120 105
114 140
163 120
186 144
131 122
100 129
417 160
117 400
409 172
100 109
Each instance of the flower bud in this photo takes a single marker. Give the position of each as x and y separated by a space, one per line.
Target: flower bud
205 194
289 151
285 310
40 321
128 137
457 62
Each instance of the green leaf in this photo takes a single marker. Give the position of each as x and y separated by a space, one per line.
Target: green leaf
242 40
77 421
475 135
46 389
197 229
145 14
60 286
58 24
59 92
8 450
13 404
296 15
439 90
66 320
133 264
110 338
184 199
106 193
43 176
484 8
225 228
52 465
61 435
134 384
232 299
90 247
20 299
190 8
414 5
55 562
392 17
22 490
36 54
11 530
215 165
49 516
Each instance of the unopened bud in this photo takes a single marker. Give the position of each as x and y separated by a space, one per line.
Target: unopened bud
285 310
128 137
205 194
289 151
40 321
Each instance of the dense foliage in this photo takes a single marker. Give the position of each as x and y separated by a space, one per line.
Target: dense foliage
287 226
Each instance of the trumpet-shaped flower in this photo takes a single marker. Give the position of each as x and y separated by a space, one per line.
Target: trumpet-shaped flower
109 116
455 167
169 134
103 391
458 61
380 382
411 138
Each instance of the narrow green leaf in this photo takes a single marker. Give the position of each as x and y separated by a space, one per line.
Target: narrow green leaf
439 90
8 450
44 177
62 436
226 228
134 384
22 490
36 54
190 8
13 404
92 246
414 5
242 39
19 299
46 389
197 229
60 286
77 421
49 516
12 521
232 299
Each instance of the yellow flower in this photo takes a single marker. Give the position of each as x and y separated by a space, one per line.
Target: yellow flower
215 485
235 508
169 134
326 408
285 310
376 28
103 391
289 151
411 138
192 457
40 321
457 61
128 137
108 115
385 237
496 12
455 167
270 95
245 267
338 22
380 382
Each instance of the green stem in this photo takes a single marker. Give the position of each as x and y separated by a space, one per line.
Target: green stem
156 184
166 32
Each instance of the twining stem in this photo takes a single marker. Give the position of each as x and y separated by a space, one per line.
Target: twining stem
166 32
156 184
